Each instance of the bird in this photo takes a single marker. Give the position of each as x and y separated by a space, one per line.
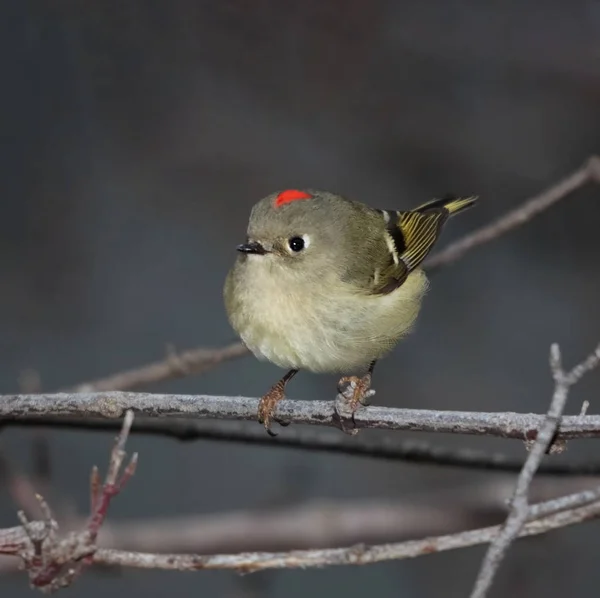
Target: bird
328 284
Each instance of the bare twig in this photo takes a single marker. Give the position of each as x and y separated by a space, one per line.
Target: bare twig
589 172
542 518
52 562
354 555
176 365
523 426
100 498
520 504
325 524
314 439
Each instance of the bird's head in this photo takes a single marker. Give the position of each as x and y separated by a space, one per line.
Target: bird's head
295 227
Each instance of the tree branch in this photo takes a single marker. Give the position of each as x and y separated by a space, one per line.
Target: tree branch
543 517
112 405
589 172
313 439
53 562
520 511
354 555
176 365
316 524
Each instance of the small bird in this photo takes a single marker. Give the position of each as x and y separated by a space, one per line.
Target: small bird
327 284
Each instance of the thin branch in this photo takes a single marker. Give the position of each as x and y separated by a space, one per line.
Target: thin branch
53 562
176 365
112 405
318 524
323 523
355 555
115 481
588 173
542 518
313 439
520 503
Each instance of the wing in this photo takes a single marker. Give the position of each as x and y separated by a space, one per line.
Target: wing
410 236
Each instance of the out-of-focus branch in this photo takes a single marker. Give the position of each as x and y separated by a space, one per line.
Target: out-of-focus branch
322 524
589 172
523 426
176 365
20 488
542 518
319 524
314 439
519 510
354 555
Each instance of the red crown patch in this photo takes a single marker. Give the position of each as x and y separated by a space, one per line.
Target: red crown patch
290 195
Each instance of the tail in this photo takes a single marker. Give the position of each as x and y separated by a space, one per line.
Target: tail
416 232
450 203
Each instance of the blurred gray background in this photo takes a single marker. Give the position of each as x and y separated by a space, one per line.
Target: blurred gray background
137 135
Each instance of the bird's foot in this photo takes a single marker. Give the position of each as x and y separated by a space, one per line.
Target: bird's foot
266 407
354 392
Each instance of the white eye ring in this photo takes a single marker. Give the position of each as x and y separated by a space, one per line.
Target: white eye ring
298 243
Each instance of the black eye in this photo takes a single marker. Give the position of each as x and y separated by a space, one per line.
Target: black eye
296 243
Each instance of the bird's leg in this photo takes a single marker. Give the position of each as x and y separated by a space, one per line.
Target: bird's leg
267 404
360 387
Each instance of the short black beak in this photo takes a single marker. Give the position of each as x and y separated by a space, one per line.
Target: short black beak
252 247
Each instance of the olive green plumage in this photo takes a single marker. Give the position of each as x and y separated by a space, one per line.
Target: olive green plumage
328 284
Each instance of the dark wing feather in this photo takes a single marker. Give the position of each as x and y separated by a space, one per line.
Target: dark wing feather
411 236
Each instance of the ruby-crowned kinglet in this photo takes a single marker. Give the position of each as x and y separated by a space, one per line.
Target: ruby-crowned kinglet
326 284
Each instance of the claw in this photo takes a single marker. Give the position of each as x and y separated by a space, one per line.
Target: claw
360 387
266 406
355 391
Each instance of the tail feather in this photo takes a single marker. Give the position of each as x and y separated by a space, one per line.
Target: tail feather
421 227
452 203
